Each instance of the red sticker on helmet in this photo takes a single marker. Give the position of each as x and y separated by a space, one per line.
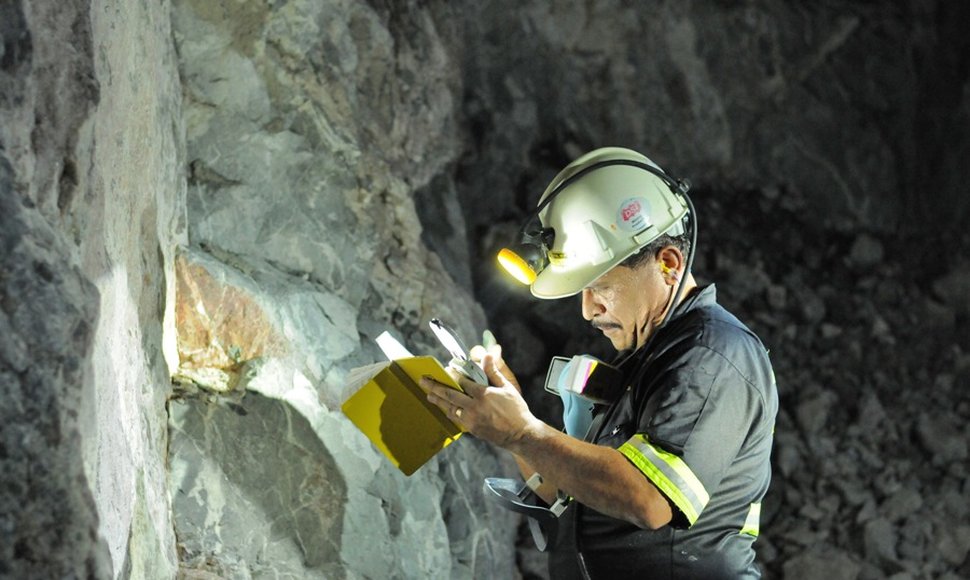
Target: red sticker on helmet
634 214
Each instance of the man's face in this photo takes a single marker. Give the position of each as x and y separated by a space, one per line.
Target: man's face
627 304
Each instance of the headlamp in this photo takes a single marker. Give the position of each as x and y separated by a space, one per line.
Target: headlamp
525 259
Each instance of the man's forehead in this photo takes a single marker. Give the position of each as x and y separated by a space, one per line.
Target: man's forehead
610 276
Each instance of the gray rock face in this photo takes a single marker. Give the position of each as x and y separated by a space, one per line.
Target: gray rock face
308 131
815 101
48 520
312 125
301 190
253 479
272 482
129 222
90 138
239 196
267 474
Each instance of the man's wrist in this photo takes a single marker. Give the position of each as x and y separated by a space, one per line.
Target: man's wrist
527 437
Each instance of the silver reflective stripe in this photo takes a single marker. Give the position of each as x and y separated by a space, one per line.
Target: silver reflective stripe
670 474
752 523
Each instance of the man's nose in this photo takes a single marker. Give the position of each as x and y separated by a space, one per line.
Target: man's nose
591 306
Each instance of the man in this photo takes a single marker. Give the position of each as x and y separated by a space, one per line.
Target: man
668 480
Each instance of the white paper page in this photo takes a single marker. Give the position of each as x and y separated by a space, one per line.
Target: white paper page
391 348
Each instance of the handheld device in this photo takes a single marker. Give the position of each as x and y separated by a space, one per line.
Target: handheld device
459 354
586 376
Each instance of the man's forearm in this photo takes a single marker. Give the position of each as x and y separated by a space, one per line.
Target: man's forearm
547 491
594 475
597 476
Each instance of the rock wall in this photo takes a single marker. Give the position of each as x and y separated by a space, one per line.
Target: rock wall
93 195
300 203
209 210
870 459
858 105
309 127
133 213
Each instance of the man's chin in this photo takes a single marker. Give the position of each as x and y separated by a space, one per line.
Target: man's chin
616 336
619 341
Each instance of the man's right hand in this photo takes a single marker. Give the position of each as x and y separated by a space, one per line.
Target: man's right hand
498 373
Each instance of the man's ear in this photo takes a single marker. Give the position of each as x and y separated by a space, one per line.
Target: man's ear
671 263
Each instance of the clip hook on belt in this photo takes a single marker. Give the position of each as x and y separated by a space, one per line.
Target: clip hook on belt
521 497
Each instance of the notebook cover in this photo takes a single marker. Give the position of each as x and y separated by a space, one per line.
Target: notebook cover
392 410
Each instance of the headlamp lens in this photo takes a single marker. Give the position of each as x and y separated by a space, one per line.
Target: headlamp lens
518 266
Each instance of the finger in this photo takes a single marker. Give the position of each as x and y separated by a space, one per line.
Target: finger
489 346
477 353
457 413
447 407
471 388
427 383
488 339
439 392
453 373
495 376
458 417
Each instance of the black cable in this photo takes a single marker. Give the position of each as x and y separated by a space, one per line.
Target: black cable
675 186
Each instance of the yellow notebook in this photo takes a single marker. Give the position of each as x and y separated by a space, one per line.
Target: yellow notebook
393 411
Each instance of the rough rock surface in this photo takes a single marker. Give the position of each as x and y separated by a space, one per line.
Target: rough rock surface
267 474
48 521
308 129
92 187
871 452
328 170
130 219
853 103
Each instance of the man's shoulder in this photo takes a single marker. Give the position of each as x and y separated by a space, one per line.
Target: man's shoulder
718 323
714 333
710 321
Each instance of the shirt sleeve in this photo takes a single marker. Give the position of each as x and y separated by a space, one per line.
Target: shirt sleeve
691 430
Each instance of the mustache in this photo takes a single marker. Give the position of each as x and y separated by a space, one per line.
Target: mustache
598 325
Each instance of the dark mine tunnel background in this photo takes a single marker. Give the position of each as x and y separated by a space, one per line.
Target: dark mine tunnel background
830 188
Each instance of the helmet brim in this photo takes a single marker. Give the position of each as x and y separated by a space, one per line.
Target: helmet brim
551 283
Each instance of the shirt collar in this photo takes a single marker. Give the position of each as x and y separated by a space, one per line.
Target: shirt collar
699 297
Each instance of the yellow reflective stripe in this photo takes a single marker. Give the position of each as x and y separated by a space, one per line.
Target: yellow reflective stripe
752 523
670 474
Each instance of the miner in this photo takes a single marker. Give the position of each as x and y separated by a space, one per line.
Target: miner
662 468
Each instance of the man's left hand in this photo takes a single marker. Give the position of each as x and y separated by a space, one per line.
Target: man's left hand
497 414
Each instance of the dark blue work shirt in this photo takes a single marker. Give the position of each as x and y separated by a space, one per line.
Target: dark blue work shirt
697 419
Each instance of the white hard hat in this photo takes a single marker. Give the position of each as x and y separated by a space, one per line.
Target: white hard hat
598 211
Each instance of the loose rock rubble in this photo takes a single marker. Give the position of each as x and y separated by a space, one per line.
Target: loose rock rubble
871 441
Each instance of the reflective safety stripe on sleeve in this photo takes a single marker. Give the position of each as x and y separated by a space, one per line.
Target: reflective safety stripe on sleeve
669 473
752 523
